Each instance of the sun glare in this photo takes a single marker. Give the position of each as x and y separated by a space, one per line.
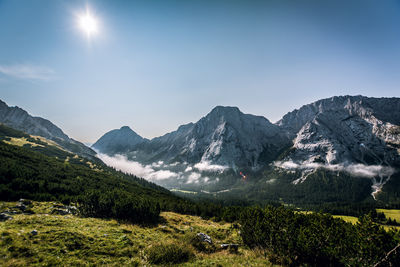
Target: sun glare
88 24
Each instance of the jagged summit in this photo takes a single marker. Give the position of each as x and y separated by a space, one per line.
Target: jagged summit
345 129
385 109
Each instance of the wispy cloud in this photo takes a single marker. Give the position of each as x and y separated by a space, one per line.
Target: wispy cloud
159 171
208 166
359 170
28 72
122 163
193 178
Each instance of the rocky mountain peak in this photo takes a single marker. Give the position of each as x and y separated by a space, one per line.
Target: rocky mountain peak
224 110
118 141
125 128
352 129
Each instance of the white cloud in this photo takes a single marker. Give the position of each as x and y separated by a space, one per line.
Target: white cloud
207 166
188 169
28 72
158 164
121 163
359 170
162 174
193 178
158 171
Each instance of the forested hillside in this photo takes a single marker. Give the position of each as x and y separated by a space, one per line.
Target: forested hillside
37 169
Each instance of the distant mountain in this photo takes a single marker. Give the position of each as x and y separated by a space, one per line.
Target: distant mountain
353 129
225 137
118 141
19 119
356 135
316 153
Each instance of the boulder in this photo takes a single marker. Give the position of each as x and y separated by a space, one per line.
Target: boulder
4 217
63 210
205 238
25 201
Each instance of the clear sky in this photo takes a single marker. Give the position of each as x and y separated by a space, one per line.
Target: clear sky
154 65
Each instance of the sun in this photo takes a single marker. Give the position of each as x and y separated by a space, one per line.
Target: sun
88 23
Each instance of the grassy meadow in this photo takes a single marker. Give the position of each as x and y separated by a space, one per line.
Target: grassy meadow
63 240
392 214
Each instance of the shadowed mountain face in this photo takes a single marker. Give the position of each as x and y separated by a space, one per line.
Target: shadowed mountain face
118 141
19 119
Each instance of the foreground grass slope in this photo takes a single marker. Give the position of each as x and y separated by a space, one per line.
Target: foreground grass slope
63 240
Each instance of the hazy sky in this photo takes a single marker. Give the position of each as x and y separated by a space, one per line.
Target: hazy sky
155 65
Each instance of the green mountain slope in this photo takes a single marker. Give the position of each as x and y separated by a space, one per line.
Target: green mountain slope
38 169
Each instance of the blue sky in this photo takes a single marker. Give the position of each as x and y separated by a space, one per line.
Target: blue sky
155 65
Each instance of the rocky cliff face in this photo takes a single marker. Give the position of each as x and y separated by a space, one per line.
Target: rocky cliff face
225 136
19 119
346 129
355 135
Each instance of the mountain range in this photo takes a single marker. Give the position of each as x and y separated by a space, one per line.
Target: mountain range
225 136
344 148
353 135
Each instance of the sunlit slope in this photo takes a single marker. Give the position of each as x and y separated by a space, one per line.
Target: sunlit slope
70 240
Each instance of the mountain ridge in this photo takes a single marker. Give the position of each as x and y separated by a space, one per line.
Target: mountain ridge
215 137
18 118
341 133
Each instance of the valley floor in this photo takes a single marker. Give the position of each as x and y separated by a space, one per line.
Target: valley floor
43 238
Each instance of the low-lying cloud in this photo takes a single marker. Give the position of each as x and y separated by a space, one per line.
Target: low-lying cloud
193 178
359 170
157 171
208 166
122 163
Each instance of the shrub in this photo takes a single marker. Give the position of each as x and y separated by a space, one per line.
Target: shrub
315 239
169 253
118 204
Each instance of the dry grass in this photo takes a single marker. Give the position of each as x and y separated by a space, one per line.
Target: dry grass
20 142
350 219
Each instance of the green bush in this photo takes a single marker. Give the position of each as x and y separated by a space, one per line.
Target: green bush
118 204
171 253
314 239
